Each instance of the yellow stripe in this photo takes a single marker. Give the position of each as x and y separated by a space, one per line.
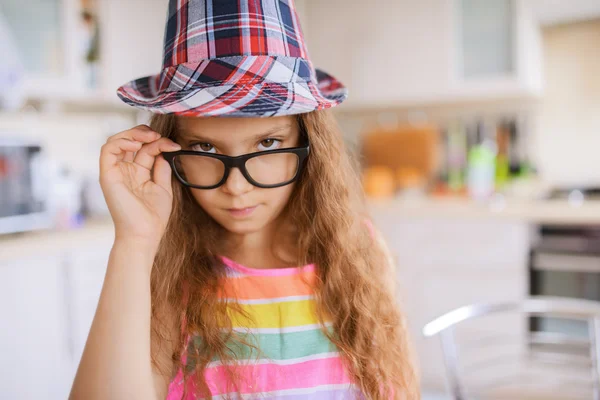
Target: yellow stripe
275 315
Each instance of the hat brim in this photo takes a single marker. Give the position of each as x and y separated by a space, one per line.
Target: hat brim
261 98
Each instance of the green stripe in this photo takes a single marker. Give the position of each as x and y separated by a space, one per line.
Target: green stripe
278 346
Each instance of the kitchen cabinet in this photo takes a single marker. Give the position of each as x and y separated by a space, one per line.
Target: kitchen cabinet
46 34
130 35
47 303
34 340
496 50
85 272
446 263
549 12
132 41
485 39
386 52
405 53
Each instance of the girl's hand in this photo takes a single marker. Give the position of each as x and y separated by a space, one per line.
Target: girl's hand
136 182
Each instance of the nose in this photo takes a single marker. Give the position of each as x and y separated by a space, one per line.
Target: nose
236 183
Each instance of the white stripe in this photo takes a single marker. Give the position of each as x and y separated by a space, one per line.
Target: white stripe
237 17
290 329
240 72
263 361
283 30
208 21
288 392
210 41
271 301
192 34
177 35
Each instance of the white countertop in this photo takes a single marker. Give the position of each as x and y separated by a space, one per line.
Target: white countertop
531 211
49 242
101 230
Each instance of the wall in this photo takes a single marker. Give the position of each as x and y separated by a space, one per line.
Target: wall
567 135
387 45
72 140
559 11
132 40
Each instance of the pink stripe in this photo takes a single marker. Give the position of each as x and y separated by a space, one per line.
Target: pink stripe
267 271
175 391
271 377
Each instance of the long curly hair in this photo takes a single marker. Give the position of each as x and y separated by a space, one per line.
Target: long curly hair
327 207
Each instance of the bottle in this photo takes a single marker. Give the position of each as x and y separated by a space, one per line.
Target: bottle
482 166
456 156
66 199
502 158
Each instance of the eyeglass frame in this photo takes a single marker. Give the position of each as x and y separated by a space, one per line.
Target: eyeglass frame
238 162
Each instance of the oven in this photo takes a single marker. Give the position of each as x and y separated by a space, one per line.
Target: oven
565 262
24 186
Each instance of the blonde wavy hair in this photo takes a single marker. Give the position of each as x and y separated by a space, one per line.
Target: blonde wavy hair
327 206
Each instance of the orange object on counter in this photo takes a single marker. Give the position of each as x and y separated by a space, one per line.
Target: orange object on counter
379 182
409 177
407 148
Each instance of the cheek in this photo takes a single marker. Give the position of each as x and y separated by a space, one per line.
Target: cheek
276 201
278 197
205 198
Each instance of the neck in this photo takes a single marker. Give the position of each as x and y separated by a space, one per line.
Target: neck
271 247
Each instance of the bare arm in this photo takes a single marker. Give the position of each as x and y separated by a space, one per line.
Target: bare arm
116 362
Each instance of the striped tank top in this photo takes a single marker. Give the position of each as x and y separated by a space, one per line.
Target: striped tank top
296 360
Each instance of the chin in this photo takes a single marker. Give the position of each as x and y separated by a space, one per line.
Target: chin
241 227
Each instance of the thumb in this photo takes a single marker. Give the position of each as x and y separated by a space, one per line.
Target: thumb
162 173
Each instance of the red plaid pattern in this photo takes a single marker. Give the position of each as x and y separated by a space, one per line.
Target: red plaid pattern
234 58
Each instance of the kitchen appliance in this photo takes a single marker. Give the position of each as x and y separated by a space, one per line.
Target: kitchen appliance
24 186
575 194
11 69
565 262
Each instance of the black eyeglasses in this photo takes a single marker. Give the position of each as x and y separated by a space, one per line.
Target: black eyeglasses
263 169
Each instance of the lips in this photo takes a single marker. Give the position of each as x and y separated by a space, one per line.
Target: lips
241 212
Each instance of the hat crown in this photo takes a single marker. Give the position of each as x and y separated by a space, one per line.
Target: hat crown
199 30
235 58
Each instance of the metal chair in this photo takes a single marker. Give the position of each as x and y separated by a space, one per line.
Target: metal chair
542 353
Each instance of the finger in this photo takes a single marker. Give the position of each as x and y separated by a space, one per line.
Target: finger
141 133
146 155
162 174
114 151
129 156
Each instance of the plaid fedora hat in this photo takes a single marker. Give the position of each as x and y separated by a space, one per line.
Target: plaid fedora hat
234 58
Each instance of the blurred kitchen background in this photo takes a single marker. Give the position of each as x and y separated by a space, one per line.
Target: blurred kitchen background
477 128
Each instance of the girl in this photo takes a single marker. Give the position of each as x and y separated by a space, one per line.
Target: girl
243 264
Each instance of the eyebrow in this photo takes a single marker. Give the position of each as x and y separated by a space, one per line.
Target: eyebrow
261 136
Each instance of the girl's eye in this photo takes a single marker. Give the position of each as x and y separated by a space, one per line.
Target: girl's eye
203 147
269 144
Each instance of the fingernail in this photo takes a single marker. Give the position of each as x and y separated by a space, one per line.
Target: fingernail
175 146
